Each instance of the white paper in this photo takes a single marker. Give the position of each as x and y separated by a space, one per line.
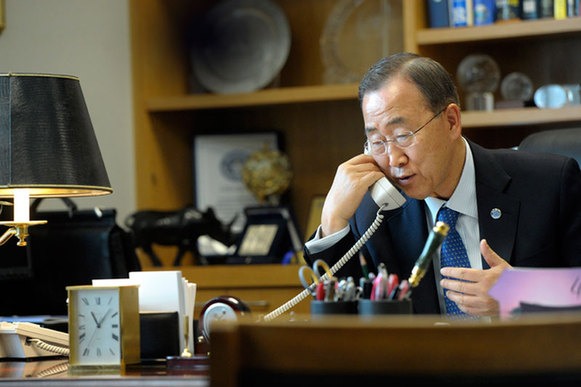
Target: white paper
190 303
114 282
162 291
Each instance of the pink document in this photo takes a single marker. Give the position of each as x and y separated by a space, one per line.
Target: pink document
521 290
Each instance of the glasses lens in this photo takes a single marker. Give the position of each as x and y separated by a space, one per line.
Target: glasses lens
404 140
376 147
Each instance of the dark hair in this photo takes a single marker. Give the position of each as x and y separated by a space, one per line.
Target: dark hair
428 75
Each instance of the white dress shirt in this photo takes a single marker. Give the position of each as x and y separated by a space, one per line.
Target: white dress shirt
463 201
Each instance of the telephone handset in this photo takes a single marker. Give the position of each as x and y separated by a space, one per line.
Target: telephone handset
385 194
387 197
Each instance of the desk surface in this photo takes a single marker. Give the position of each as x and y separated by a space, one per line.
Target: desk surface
403 348
56 373
295 351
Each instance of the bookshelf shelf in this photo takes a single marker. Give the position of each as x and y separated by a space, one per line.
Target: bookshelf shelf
508 30
519 117
278 96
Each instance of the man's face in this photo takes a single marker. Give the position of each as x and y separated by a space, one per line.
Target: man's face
425 168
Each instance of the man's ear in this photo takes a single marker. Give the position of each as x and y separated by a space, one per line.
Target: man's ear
452 116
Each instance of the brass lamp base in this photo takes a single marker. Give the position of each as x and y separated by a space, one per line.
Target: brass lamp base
18 229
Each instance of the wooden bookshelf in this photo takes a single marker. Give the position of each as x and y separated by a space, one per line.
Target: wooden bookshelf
321 123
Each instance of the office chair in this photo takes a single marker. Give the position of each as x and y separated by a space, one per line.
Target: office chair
560 141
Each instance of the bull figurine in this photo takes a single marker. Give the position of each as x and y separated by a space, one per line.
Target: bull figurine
180 228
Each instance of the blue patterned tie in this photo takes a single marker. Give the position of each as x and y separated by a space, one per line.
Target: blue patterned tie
453 252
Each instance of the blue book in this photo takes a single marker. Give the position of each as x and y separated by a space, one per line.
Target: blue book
438 13
459 14
529 9
484 11
572 8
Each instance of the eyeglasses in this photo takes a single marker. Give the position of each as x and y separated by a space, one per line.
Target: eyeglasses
402 138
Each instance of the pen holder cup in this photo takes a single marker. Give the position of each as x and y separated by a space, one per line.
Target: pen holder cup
369 307
333 307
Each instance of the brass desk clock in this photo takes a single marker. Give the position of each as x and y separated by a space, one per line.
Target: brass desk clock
103 326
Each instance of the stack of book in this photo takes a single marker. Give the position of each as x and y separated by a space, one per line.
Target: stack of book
462 13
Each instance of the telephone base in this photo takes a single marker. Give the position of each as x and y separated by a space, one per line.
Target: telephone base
15 340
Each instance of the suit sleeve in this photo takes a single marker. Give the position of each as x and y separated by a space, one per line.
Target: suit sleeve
570 218
334 253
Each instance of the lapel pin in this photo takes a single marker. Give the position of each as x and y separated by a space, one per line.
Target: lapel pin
495 213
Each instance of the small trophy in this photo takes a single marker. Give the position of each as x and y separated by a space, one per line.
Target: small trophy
270 234
516 87
478 75
267 174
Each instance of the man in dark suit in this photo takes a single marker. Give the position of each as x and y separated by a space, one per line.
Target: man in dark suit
515 208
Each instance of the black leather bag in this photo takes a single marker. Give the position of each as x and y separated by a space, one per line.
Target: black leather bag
73 248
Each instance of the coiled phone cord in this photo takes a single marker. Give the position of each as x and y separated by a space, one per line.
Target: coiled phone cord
335 268
49 347
51 371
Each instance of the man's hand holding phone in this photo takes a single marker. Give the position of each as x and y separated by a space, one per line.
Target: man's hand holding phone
351 182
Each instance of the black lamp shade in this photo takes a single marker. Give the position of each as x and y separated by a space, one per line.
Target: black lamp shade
47 142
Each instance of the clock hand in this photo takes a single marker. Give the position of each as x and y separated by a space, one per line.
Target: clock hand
95 318
104 317
98 326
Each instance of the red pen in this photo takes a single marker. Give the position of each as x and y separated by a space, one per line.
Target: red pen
376 288
379 290
320 291
392 283
404 288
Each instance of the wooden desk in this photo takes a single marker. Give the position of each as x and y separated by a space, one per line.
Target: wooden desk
55 373
350 351
409 350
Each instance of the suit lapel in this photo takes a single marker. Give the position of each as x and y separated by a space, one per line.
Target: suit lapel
497 211
408 230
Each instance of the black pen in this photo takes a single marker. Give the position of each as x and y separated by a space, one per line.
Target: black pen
363 263
365 285
435 239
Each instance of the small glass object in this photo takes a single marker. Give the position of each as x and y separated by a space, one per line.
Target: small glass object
478 75
556 96
516 87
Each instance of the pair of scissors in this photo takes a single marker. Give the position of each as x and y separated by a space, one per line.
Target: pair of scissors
311 280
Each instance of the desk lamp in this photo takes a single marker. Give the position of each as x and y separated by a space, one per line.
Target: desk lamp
47 145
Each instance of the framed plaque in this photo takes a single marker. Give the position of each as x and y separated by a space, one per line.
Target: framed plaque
270 233
218 161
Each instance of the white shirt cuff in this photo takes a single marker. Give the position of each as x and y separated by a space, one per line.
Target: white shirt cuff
318 244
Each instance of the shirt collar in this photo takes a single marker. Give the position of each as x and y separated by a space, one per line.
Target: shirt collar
463 199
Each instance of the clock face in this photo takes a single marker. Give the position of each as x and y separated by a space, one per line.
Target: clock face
224 308
97 332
